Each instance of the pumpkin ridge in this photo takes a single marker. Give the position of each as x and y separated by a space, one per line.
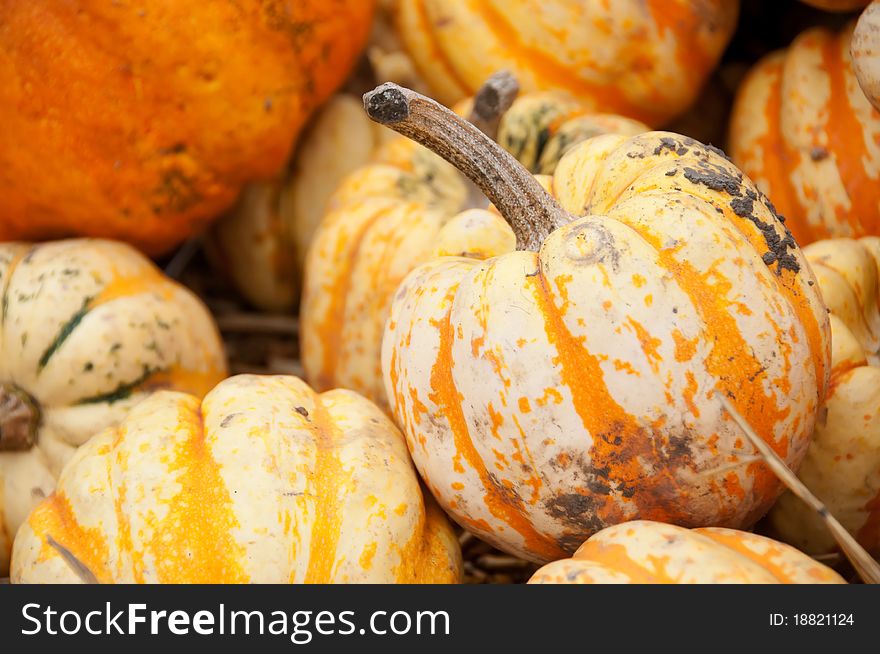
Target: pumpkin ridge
437 50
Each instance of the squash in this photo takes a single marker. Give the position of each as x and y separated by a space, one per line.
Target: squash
866 52
265 481
132 121
837 5
88 328
842 465
804 131
391 215
644 552
571 385
642 59
261 244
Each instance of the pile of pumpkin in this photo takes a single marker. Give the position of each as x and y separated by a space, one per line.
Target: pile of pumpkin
606 371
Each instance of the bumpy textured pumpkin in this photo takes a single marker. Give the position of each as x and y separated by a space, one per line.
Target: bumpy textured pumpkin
804 131
638 58
264 481
132 120
866 52
395 214
87 329
570 385
261 244
842 466
644 552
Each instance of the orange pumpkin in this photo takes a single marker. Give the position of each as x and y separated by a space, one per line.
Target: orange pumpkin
804 131
142 121
572 384
644 552
642 59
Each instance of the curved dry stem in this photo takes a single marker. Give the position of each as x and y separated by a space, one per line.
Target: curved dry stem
19 419
526 206
492 101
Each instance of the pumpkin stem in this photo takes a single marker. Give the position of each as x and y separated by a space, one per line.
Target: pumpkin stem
492 101
526 206
19 419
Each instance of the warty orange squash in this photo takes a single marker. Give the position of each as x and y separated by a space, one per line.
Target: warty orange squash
88 328
265 481
572 384
644 552
804 131
842 465
132 120
642 59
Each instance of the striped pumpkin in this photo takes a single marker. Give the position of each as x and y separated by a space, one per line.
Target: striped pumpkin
88 329
553 391
645 59
265 481
394 214
866 52
804 131
842 466
644 552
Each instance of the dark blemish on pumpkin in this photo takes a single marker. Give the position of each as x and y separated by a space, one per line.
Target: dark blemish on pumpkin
571 507
715 178
177 148
267 105
810 282
176 192
818 154
755 374
88 367
64 333
671 173
301 410
115 348
228 419
718 151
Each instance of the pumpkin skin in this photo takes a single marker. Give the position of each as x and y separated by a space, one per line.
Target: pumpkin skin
842 466
837 5
144 128
644 552
265 481
262 243
866 52
547 395
804 131
89 328
645 60
391 216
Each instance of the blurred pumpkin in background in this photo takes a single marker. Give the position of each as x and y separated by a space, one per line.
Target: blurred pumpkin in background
842 465
265 481
837 5
642 59
804 131
142 121
88 329
866 52
644 552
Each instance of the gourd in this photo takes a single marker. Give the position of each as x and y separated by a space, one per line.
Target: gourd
265 481
132 121
261 243
88 328
837 5
404 209
842 465
644 552
573 384
644 60
866 52
804 131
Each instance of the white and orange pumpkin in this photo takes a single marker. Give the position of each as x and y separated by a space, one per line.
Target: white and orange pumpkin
263 481
88 328
842 465
644 552
570 385
804 131
866 52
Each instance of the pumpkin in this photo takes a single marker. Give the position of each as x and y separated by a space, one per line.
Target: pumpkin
837 5
866 52
398 212
645 552
87 329
265 481
842 465
645 60
132 121
804 131
572 384
261 244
